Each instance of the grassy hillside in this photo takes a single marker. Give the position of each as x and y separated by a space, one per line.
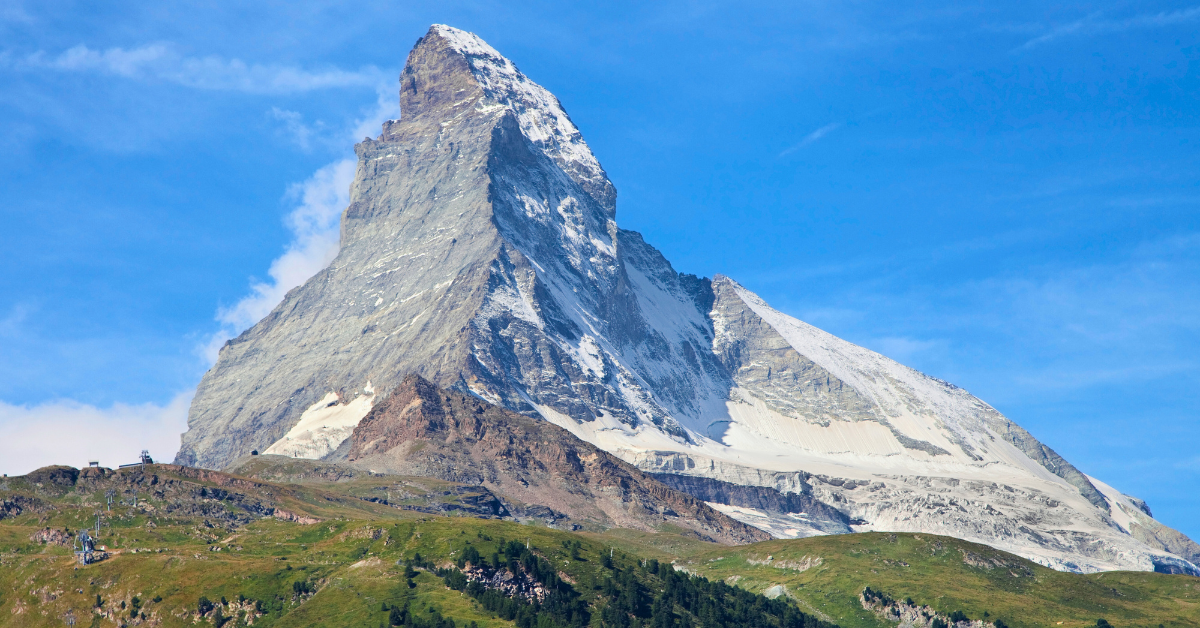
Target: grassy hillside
827 574
339 560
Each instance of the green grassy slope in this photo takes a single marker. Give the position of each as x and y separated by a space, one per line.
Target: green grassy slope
828 573
343 570
336 560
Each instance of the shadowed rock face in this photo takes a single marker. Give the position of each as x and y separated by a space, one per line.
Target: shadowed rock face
480 250
539 468
816 517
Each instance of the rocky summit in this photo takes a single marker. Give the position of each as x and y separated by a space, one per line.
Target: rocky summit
480 250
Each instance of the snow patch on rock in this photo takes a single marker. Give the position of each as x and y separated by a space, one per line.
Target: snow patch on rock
779 525
324 425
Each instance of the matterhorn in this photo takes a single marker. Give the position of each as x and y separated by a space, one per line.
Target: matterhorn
480 251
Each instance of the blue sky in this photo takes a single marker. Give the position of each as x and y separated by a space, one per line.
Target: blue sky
1004 195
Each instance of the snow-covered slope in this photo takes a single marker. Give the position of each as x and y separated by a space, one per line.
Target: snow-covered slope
480 250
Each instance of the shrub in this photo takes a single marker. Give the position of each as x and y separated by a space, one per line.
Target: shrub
204 605
456 580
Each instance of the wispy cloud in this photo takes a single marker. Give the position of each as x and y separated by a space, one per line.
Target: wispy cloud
314 225
71 433
296 129
904 349
11 323
1047 332
13 11
812 137
386 107
308 135
163 62
1060 377
1139 303
1095 25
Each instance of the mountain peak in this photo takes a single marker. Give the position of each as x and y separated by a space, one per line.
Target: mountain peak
480 251
465 42
542 118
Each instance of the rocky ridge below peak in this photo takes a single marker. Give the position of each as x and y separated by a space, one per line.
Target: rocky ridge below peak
421 430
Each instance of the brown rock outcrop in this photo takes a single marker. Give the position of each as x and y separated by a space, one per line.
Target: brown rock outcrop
421 429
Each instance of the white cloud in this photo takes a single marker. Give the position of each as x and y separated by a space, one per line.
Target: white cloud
71 433
386 107
315 228
162 62
296 129
307 135
1094 25
812 137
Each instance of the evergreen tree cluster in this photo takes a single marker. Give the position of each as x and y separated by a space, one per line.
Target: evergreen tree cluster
871 595
562 606
687 601
402 616
638 595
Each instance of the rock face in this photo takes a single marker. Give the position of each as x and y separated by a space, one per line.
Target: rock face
791 514
480 250
542 470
